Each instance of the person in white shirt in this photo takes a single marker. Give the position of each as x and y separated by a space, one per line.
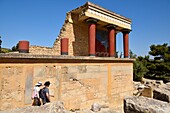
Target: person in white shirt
35 94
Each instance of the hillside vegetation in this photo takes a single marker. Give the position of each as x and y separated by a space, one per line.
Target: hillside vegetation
157 68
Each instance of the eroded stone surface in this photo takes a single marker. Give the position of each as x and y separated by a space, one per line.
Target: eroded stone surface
58 107
55 107
145 105
76 83
162 93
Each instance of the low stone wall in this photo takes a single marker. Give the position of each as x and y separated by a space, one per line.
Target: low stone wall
77 81
40 50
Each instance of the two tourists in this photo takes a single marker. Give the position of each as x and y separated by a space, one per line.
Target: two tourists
41 93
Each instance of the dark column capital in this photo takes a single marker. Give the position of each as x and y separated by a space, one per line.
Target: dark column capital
92 21
126 31
111 26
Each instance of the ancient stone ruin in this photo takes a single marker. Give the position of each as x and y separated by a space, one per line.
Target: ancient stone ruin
82 65
151 96
89 30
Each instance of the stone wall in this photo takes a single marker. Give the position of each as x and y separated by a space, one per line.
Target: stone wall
40 50
77 33
78 84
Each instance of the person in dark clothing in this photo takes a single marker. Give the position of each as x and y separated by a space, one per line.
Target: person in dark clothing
46 98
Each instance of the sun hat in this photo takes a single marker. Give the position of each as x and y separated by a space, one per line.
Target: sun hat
38 83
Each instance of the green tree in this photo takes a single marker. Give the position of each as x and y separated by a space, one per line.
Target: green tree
132 55
5 50
15 48
159 67
159 51
139 68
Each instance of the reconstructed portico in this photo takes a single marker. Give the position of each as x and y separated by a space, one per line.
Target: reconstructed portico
91 31
101 19
115 23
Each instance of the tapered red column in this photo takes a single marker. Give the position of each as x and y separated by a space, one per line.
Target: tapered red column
126 43
112 41
92 36
115 44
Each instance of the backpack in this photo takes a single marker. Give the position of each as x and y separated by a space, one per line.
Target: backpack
42 93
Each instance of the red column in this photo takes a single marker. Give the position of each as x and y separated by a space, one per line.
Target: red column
126 43
92 36
115 44
23 46
112 41
64 46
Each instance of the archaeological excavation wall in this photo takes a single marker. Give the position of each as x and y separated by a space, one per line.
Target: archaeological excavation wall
77 81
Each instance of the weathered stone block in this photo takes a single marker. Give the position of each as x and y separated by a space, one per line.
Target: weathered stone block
90 95
145 105
72 69
103 68
64 70
161 95
28 85
51 71
147 92
82 69
92 69
39 71
93 83
91 75
54 107
8 71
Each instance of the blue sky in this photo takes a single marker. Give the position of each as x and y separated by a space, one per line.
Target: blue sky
40 21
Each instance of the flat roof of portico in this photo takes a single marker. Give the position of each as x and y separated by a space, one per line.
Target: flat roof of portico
105 17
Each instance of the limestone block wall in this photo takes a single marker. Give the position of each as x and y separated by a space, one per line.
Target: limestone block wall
78 85
77 33
40 50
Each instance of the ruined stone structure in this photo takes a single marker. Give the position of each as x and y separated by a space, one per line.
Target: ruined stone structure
78 79
91 30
